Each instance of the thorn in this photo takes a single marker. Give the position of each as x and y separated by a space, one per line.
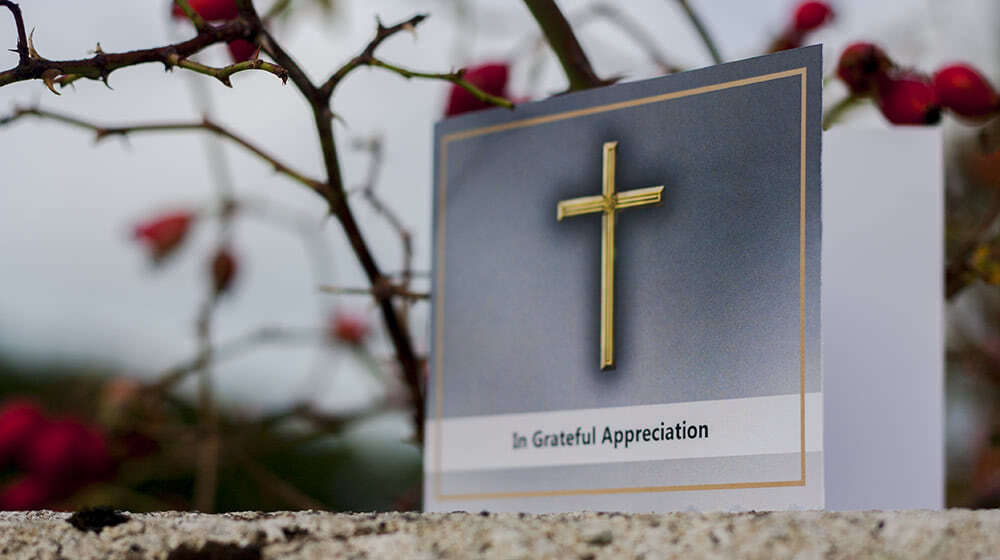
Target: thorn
104 78
32 53
225 81
49 77
336 117
282 74
98 50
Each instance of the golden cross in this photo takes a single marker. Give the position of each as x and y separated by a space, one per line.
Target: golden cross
608 203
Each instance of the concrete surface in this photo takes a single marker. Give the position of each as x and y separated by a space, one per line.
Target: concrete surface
951 534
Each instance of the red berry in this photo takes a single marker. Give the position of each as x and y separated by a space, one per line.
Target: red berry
491 78
241 50
349 328
68 452
164 233
861 65
811 15
31 492
211 10
20 420
965 91
224 268
908 99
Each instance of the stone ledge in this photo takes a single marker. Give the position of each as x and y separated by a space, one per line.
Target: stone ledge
178 536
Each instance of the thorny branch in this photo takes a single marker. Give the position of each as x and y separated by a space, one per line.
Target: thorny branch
32 66
249 26
335 195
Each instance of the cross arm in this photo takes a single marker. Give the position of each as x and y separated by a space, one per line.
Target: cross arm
577 206
639 197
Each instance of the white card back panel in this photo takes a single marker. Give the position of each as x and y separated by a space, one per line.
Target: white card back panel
882 318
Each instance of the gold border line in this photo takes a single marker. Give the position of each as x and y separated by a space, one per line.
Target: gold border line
465 134
802 280
439 287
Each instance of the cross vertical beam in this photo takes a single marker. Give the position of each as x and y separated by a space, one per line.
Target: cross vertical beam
608 203
608 259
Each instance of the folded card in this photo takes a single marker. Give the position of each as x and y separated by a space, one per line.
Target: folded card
627 298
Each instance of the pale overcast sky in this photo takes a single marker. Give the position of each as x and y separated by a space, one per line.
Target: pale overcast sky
74 286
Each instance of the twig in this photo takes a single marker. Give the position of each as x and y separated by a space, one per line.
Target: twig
223 74
635 32
412 273
957 272
989 137
276 10
839 109
377 294
381 34
22 38
563 42
246 10
215 156
330 423
298 223
374 147
456 78
699 26
103 131
273 484
206 481
250 341
207 470
195 17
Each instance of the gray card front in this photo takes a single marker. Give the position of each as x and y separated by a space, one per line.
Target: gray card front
626 297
